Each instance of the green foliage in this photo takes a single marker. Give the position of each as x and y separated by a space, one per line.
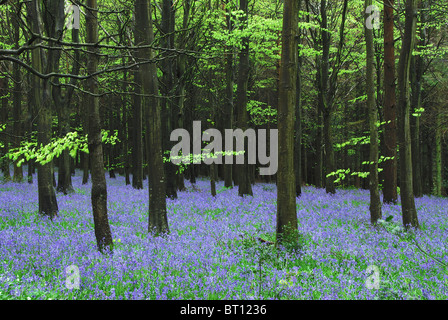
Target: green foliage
261 115
72 141
341 174
418 112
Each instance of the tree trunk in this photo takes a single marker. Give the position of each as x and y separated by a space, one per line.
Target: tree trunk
298 132
406 187
286 230
213 179
46 193
137 143
167 30
17 102
4 86
17 127
375 201
63 107
244 185
437 171
415 124
390 114
228 100
99 187
158 220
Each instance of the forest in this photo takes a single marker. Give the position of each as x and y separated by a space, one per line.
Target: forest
224 149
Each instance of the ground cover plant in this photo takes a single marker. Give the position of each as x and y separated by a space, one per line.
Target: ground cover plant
219 247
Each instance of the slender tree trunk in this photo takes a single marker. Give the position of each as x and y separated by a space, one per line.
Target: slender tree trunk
326 113
99 188
213 179
375 201
415 124
30 123
126 142
228 105
63 104
167 28
137 144
406 186
4 86
286 230
244 186
437 171
390 114
47 197
17 103
298 131
319 142
85 125
158 220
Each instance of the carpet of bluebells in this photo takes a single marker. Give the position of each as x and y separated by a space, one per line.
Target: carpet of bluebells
220 248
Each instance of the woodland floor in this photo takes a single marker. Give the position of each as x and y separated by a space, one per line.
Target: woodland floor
214 249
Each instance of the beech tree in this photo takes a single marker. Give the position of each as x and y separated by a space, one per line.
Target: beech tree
375 202
286 231
53 17
99 188
390 114
406 189
157 221
244 184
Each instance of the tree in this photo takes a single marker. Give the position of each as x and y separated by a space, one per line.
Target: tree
244 185
390 114
327 87
228 104
167 90
4 83
43 99
286 230
406 189
298 132
375 202
99 188
63 103
137 143
17 99
158 220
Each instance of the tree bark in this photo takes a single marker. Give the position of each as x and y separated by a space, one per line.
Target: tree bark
406 187
437 171
298 132
63 104
286 230
158 220
47 197
17 101
4 87
375 201
244 185
228 100
167 30
137 143
417 68
99 188
390 114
